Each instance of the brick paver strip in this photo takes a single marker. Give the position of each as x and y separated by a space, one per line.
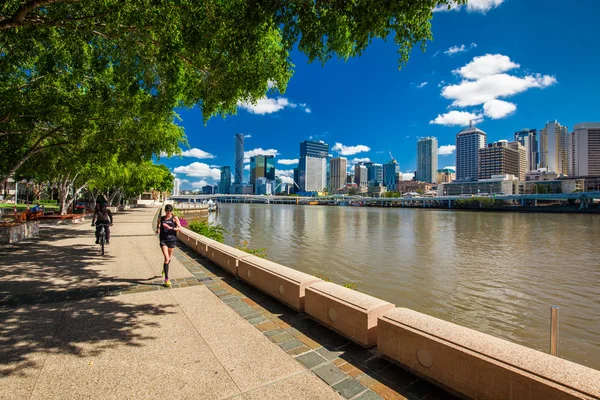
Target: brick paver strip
330 373
310 360
290 344
369 395
329 355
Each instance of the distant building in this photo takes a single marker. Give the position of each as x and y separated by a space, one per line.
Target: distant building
338 167
498 159
349 178
262 166
208 189
517 146
446 175
497 184
391 169
374 173
312 166
360 175
239 159
468 143
554 148
413 186
263 186
376 189
529 139
216 189
585 150
225 181
296 180
176 184
427 159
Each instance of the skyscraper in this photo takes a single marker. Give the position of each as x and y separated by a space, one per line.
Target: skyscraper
585 149
238 178
468 143
529 139
374 173
360 175
176 184
391 169
498 159
554 148
312 166
518 147
337 173
225 181
427 159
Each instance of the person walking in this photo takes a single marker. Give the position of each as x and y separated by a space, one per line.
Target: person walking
168 225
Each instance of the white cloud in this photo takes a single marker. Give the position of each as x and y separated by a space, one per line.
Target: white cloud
422 85
265 105
489 64
452 167
184 181
247 136
196 153
481 6
259 152
287 179
199 184
456 118
307 110
446 150
472 93
199 170
247 167
285 172
459 49
288 162
407 176
350 150
496 109
359 160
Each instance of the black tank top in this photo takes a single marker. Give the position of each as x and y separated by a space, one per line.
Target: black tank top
167 234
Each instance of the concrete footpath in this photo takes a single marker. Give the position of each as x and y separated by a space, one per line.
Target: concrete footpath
74 324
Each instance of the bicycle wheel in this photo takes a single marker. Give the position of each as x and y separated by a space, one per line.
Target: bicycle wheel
102 239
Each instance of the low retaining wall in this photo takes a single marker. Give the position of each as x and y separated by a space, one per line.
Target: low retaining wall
470 363
57 219
14 232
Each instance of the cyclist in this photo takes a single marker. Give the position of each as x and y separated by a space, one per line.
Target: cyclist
167 225
102 215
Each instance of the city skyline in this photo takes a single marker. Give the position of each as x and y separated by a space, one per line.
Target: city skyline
365 107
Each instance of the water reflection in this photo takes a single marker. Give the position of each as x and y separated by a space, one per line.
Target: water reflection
495 272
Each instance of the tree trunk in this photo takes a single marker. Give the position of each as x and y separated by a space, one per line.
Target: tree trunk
63 193
113 196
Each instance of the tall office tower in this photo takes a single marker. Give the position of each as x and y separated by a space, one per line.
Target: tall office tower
585 149
262 166
554 148
295 186
225 181
374 173
312 166
176 184
468 143
390 171
337 173
361 177
498 159
427 159
518 147
529 139
349 178
238 178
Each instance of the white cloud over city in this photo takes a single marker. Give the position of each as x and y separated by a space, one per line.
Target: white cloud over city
259 152
349 150
198 170
197 153
358 161
459 49
200 184
481 6
485 80
287 162
422 85
446 150
268 105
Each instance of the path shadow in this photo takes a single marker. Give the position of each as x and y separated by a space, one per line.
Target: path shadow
83 329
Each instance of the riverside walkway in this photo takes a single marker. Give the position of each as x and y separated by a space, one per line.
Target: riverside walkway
74 324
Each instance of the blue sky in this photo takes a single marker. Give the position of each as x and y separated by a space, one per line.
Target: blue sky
509 64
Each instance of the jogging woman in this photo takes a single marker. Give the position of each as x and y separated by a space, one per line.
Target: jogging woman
167 225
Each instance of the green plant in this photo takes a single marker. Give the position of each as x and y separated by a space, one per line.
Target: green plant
350 286
214 232
346 285
262 252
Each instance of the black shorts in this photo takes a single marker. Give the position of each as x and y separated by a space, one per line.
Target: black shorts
168 243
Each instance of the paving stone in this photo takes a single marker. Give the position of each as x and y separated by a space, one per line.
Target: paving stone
274 332
311 359
298 350
283 337
328 354
258 320
386 392
376 364
266 326
420 388
239 305
397 376
349 388
369 395
329 373
290 344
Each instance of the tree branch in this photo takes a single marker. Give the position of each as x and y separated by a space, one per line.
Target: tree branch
18 18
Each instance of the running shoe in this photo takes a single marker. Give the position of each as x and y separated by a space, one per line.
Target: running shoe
167 283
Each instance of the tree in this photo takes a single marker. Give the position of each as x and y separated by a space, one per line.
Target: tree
70 69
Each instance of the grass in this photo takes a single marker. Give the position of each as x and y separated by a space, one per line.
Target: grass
22 207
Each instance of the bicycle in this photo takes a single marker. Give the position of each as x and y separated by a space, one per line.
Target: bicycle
102 235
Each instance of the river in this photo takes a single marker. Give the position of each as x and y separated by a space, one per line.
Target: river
495 272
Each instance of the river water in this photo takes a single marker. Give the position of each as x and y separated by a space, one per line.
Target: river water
498 273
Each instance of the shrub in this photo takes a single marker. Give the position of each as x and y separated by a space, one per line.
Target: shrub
183 222
214 232
262 252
